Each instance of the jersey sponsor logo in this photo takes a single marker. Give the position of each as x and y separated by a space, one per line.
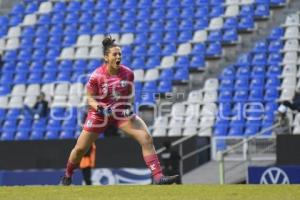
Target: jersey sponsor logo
89 123
152 167
123 83
274 175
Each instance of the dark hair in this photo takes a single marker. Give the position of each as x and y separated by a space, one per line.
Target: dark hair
107 43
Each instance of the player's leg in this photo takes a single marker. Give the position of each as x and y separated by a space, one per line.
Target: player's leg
136 128
84 142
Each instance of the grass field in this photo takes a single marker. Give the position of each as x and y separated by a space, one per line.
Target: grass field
180 192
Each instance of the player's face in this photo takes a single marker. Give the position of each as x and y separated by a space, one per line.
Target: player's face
113 58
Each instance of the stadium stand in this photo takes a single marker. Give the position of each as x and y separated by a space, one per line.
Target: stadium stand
52 46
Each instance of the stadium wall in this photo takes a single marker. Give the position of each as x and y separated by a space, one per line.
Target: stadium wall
111 153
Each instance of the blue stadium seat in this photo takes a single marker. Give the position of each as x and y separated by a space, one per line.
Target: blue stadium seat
256 95
262 11
50 66
53 53
144 3
236 130
147 98
201 23
220 130
247 10
71 18
214 50
274 71
225 96
73 6
22 135
274 58
186 24
150 86
156 37
59 7
18 9
171 25
226 84
230 36
275 46
4 20
214 36
15 19
54 125
44 19
228 73
87 6
24 54
251 130
56 30
182 62
257 82
181 74
216 11
101 4
67 134
170 37
173 13
140 50
20 78
28 31
197 62
258 72
152 62
244 60
49 77
13 114
70 30
37 135
64 76
58 18
259 59
230 23
86 17
10 55
272 82
198 48
276 33
69 40
271 94
40 42
168 49
35 78
184 36
130 4
240 96
7 79
260 47
241 83
246 23
4 89
154 49
158 14
85 29
128 27
164 86
243 72
7 135
52 135
42 31
10 125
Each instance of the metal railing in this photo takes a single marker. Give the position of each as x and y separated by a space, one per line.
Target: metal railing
179 143
221 154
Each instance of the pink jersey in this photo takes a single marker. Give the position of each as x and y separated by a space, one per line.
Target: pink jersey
111 90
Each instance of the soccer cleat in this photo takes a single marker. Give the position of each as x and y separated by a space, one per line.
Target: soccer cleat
66 180
166 180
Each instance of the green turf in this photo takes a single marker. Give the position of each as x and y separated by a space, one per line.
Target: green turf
152 192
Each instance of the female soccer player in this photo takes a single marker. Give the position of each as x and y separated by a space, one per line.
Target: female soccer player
109 93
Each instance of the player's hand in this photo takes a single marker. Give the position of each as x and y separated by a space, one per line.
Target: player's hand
107 111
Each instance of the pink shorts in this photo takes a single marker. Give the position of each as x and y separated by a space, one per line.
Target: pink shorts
97 124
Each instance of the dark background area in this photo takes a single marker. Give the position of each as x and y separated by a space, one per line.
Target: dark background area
114 152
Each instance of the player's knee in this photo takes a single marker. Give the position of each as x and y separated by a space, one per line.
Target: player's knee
79 150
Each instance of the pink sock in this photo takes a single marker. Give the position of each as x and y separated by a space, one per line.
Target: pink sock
70 169
153 164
